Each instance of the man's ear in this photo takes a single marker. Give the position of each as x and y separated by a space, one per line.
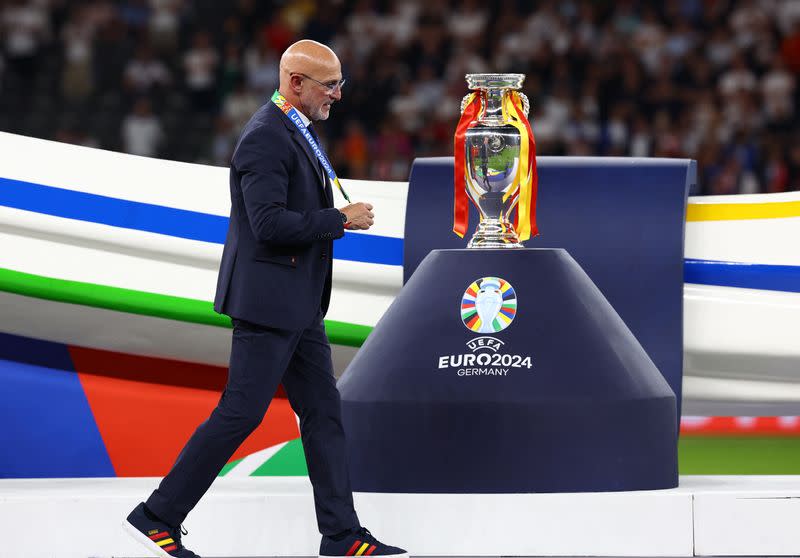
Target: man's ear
296 82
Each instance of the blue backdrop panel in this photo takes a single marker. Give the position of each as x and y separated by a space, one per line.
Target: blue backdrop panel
590 413
48 426
622 219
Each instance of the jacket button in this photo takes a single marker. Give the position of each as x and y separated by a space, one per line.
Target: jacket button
294 260
324 255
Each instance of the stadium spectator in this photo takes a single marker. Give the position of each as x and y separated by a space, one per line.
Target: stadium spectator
739 78
223 142
715 81
142 133
777 89
240 105
164 24
790 48
25 28
261 68
77 37
144 72
200 65
231 69
355 150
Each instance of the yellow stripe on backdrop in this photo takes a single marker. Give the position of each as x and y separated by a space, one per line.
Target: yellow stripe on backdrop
741 211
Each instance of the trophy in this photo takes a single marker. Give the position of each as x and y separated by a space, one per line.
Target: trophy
495 162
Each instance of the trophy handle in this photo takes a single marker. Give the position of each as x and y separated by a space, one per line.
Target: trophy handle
464 102
526 104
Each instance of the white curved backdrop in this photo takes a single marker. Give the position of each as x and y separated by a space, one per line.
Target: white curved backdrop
111 251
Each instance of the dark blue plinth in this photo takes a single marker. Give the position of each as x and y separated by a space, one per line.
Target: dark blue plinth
591 413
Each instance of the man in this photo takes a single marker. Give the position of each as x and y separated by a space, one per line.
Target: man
275 283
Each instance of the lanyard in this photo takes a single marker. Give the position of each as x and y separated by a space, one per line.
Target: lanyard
287 108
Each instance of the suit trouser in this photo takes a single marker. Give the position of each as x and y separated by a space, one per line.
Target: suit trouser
262 358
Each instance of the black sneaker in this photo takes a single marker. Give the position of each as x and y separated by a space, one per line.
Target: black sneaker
359 543
159 538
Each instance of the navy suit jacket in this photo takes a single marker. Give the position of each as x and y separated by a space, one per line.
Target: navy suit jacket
277 262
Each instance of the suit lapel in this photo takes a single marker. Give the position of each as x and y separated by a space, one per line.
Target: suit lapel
301 141
328 191
298 138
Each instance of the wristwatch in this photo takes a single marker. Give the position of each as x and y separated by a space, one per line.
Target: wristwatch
344 218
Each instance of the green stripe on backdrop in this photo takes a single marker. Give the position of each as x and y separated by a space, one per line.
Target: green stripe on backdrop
147 304
289 461
228 466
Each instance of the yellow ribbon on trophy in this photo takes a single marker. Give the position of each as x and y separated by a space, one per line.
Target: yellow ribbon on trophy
526 177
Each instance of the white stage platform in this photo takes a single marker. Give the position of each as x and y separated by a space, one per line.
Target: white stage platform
274 516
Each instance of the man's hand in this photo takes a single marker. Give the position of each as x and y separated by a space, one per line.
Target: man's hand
359 216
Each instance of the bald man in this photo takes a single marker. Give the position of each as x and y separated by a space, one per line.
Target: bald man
275 284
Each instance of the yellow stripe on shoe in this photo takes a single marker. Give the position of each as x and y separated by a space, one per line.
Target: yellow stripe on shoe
165 542
362 549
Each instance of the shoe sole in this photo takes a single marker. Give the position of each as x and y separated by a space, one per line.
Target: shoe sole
144 541
402 555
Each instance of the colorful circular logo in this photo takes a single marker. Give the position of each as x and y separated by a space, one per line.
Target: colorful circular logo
489 305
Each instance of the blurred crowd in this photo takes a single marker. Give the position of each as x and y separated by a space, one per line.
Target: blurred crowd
712 80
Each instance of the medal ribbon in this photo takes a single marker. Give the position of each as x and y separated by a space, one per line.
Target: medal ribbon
461 203
287 108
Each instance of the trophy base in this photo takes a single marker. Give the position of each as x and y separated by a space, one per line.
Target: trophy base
494 233
560 406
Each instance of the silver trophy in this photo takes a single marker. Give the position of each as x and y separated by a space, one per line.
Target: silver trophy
492 157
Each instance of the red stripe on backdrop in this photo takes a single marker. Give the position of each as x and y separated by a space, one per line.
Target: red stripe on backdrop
152 369
147 408
740 426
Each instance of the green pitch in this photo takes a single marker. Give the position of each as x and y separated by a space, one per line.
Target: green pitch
739 455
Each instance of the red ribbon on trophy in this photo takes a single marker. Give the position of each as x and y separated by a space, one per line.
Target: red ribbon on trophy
461 203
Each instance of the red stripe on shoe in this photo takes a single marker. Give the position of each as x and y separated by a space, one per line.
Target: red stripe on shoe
371 549
160 535
353 548
170 548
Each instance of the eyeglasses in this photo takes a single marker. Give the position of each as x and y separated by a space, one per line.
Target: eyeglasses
329 86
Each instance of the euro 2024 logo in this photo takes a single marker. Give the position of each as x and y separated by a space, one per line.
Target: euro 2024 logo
489 305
